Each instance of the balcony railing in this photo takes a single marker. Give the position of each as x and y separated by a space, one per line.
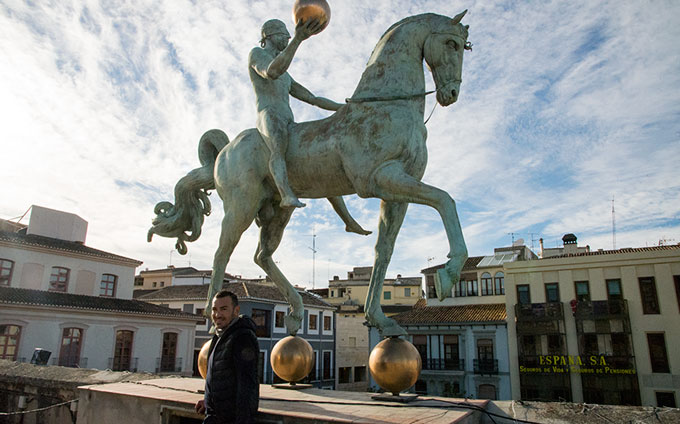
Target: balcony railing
168 365
601 309
539 311
438 364
485 366
121 364
71 362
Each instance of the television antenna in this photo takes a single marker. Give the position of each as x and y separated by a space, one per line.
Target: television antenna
313 249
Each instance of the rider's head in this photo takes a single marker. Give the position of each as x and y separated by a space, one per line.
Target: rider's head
276 33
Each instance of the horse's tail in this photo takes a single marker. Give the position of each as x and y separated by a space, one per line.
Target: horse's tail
184 219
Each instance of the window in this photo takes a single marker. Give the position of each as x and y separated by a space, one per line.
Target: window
407 291
614 289
591 345
122 354
620 344
472 288
677 288
327 365
107 287
657 352
6 267
552 293
523 295
499 280
461 288
650 301
168 353
154 284
582 291
326 323
59 279
529 346
665 399
162 283
69 354
387 295
420 343
262 322
312 321
344 374
487 284
451 356
9 341
555 344
485 349
431 292
279 319
359 374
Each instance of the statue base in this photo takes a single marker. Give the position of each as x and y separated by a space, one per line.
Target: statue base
401 398
292 386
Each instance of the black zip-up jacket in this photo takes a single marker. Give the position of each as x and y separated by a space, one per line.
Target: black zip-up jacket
232 391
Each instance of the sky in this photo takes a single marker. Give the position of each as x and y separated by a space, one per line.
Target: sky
564 106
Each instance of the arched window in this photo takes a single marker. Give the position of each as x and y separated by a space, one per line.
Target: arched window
71 341
9 341
107 287
487 285
6 268
59 279
499 279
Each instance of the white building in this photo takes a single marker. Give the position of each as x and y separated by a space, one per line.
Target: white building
74 301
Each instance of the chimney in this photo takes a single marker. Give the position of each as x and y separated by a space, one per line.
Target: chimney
570 244
540 241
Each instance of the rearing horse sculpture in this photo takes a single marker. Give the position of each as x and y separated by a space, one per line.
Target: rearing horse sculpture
374 146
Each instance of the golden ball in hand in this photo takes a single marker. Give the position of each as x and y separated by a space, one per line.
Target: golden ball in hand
303 10
395 364
203 359
292 358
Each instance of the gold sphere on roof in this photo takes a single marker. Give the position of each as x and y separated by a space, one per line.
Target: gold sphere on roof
312 9
395 364
292 358
203 359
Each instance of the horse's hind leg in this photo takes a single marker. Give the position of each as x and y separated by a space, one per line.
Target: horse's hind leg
391 217
239 213
271 232
393 184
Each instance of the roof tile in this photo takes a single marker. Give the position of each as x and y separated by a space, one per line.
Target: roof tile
453 314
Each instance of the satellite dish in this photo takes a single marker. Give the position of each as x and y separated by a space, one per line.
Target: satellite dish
518 242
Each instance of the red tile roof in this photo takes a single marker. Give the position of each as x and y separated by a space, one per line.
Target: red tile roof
453 314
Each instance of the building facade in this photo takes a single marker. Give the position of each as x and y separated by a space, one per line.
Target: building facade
74 301
596 326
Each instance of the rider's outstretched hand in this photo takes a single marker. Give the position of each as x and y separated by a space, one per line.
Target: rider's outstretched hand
306 29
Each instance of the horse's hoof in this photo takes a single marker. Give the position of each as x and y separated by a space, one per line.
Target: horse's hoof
292 323
291 202
443 284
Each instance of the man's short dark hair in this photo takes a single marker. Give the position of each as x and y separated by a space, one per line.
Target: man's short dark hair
225 293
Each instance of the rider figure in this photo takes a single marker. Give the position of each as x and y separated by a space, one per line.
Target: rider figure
267 67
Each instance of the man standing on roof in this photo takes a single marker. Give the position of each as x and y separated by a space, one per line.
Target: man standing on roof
232 391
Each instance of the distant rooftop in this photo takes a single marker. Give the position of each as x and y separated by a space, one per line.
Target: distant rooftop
617 251
453 314
17 296
32 240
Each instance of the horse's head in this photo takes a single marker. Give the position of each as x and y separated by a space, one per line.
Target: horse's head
443 52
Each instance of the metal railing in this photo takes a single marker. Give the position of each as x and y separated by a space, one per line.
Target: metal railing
168 365
485 366
438 364
593 309
539 311
120 364
71 362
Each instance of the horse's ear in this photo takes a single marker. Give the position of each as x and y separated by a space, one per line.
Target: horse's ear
467 26
459 17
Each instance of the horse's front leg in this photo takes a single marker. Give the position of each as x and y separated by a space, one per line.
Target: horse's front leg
394 184
271 232
391 217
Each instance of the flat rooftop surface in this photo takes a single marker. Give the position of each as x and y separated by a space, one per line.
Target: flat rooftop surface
310 404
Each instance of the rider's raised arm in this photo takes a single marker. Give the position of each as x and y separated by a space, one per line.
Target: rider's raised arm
281 62
302 94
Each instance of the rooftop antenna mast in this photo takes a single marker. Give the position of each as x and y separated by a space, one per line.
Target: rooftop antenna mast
613 225
313 249
513 238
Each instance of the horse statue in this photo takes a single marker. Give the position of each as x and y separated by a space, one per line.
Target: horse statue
373 146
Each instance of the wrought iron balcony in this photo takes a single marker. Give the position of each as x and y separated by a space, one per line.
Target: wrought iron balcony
539 311
123 364
485 366
601 309
69 361
438 364
171 365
